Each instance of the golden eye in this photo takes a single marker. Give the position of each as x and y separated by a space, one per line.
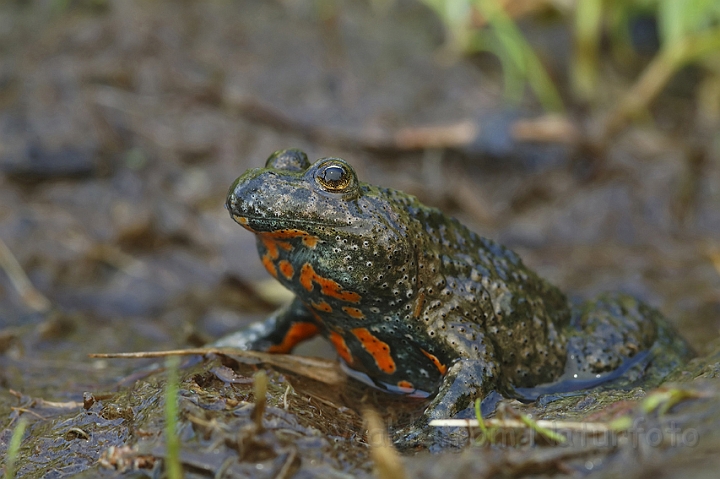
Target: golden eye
335 177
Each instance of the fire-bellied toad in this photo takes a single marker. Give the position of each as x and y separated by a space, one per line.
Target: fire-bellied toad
416 303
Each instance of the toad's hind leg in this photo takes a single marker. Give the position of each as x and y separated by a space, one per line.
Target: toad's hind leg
606 332
279 333
615 340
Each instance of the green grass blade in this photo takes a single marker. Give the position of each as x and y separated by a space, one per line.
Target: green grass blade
14 449
173 466
516 48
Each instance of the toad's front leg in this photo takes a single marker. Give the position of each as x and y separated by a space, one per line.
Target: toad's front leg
465 381
279 333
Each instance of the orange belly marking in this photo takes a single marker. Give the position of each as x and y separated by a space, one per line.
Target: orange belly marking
328 287
353 312
406 386
297 333
440 366
307 239
380 351
269 266
286 269
341 347
322 306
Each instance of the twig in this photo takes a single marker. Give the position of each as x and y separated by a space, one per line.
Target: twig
460 134
321 370
386 459
550 128
656 76
28 411
33 298
586 427
455 135
714 254
260 391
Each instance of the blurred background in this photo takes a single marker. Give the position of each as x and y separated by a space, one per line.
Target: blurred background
582 134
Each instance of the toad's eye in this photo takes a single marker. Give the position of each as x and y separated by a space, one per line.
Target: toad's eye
335 177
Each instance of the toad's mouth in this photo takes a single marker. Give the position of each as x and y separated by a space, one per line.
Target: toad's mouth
258 224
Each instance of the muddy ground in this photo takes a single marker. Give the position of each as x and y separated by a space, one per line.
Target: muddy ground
122 124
